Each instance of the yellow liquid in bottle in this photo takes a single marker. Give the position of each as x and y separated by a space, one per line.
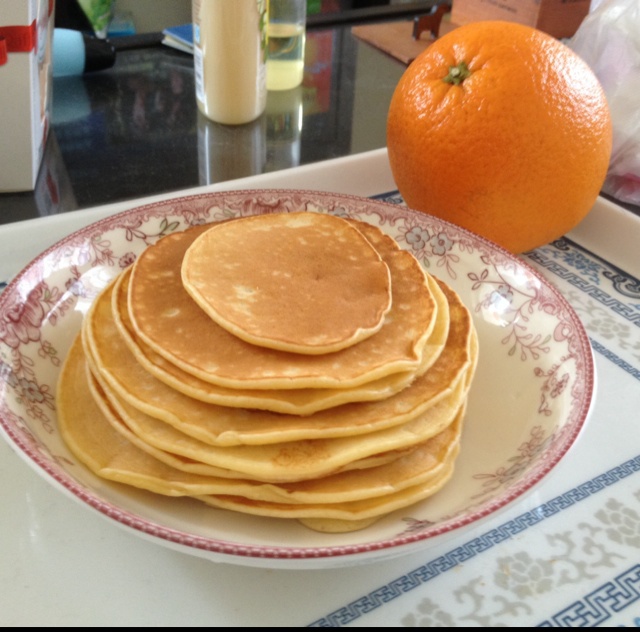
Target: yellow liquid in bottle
285 57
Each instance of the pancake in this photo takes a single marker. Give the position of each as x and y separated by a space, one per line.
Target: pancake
191 466
135 380
301 282
121 374
94 441
292 460
337 517
167 319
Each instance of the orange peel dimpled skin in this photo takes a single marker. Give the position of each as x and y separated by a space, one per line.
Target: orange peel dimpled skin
501 129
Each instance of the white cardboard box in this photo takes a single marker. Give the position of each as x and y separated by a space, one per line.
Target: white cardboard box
26 30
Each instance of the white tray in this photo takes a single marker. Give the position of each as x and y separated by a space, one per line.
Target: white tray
566 555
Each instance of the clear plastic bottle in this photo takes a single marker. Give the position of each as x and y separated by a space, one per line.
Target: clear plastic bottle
230 41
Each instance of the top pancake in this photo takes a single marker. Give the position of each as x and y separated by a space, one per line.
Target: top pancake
301 282
167 319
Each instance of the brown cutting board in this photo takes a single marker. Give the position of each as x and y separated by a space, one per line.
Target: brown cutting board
394 38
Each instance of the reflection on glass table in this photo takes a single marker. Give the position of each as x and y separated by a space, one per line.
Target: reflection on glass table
134 130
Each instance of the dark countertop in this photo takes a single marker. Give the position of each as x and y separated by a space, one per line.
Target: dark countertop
134 130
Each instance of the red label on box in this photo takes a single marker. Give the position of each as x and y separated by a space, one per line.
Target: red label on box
19 39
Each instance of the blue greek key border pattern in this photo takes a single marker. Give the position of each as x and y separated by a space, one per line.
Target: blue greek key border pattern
601 604
591 271
631 370
488 540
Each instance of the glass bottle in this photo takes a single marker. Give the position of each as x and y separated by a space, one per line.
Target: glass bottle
286 36
230 41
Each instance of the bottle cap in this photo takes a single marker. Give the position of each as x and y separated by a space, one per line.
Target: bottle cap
99 54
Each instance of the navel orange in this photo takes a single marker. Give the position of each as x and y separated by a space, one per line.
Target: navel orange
501 129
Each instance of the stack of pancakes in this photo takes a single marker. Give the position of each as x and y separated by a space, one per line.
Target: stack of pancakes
294 365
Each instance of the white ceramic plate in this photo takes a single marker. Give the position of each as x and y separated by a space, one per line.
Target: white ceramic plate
530 399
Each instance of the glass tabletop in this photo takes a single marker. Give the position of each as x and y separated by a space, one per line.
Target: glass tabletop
134 130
